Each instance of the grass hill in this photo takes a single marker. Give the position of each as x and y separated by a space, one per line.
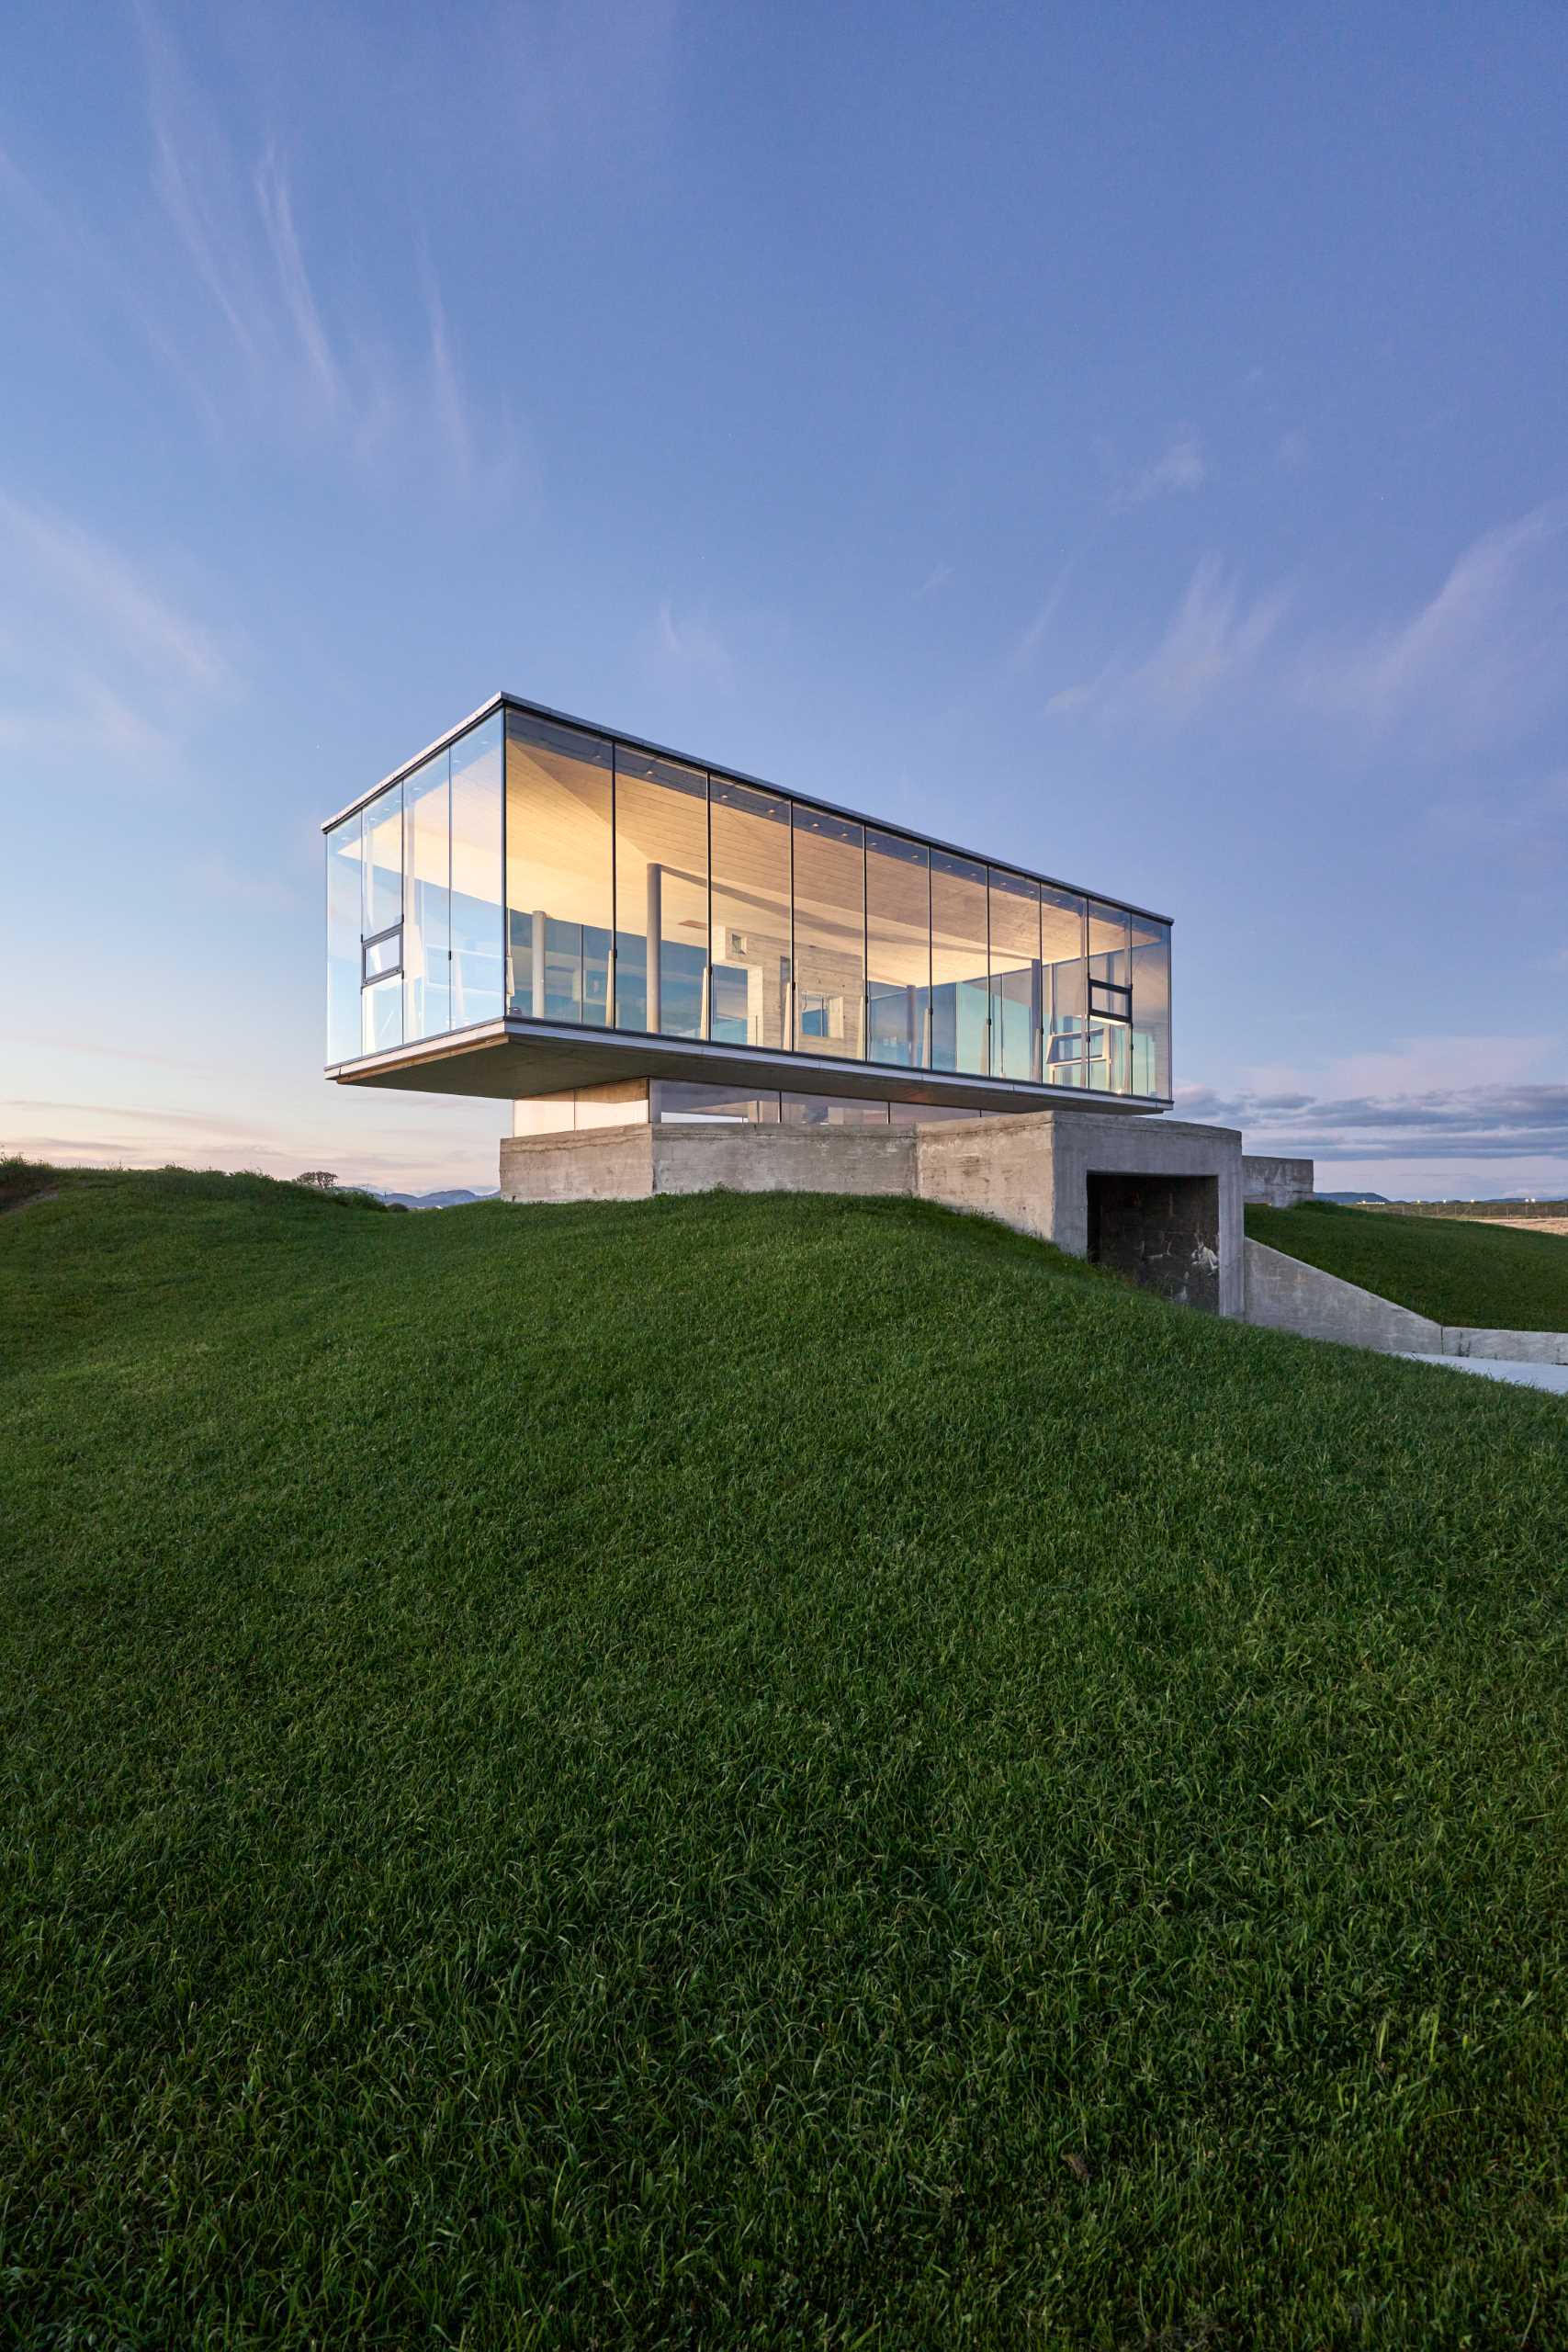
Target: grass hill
1491 1275
758 1771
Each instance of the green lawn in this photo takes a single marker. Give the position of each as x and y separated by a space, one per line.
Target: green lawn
1455 1271
759 1772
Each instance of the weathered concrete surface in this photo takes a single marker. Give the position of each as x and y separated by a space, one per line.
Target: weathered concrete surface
1153 1148
1284 1295
1000 1168
1553 1378
611 1164
1162 1232
1034 1173
1518 1347
1269 1183
745 1158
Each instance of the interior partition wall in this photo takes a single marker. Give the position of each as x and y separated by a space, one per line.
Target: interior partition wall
546 871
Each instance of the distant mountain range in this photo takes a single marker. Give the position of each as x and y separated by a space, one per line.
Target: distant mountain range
452 1200
1355 1200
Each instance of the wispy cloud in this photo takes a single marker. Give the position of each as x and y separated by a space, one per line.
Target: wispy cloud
1215 639
936 579
1474 666
94 654
690 647
276 203
262 335
1180 467
1035 631
1479 660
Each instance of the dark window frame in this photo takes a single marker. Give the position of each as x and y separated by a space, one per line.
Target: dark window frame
368 979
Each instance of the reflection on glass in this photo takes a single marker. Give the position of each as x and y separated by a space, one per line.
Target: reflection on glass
1015 975
830 1111
1064 991
384 861
381 1016
926 1115
960 964
829 934
897 950
558 872
640 892
344 904
751 947
1110 1069
476 874
722 1105
427 892
661 896
1151 1006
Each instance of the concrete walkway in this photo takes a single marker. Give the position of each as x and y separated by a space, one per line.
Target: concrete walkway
1552 1376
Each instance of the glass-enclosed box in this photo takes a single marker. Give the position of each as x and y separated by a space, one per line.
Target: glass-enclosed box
541 879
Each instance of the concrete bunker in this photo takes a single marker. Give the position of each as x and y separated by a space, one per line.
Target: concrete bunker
1162 1231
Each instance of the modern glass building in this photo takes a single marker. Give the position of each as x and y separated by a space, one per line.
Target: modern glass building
536 906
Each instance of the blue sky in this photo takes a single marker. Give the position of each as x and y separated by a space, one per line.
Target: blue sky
1129 440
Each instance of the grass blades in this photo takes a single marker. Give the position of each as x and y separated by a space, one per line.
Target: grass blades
758 1771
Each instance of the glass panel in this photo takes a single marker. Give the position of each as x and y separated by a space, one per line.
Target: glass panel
381 1016
558 872
897 950
345 887
384 955
925 1114
959 963
751 947
830 1111
661 896
1015 975
688 1106
1110 959
475 904
1151 1006
427 899
829 934
383 860
1064 992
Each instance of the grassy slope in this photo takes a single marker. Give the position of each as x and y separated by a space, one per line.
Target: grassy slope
686 1770
1456 1272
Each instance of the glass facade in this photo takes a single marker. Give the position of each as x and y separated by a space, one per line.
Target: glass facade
559 872
544 870
661 897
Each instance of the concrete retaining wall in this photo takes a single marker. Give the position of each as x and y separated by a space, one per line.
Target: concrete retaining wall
1272 1183
1284 1295
1000 1168
783 1159
1519 1347
615 1164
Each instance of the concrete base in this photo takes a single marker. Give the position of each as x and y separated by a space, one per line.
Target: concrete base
1272 1183
1160 1199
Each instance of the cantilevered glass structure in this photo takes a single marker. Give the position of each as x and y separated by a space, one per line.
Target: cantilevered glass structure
537 905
